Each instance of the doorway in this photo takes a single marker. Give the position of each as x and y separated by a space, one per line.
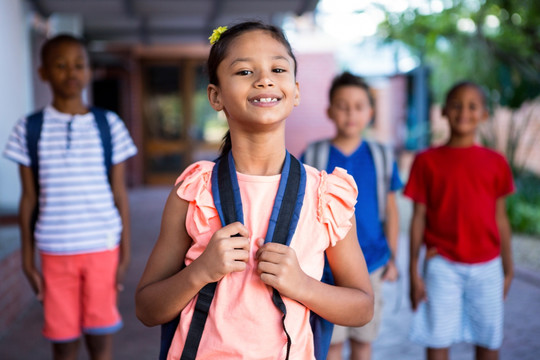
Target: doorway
179 125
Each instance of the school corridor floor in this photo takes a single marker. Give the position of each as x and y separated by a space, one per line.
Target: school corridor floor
522 318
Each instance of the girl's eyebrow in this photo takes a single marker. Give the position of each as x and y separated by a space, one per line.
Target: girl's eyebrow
248 59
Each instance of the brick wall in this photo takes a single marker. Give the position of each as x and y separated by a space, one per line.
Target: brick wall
15 292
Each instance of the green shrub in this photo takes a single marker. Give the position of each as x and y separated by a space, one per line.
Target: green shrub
524 205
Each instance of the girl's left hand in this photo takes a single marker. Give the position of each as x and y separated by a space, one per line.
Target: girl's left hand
278 267
507 283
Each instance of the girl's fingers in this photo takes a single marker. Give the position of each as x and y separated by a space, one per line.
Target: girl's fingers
269 268
240 254
266 251
234 229
238 243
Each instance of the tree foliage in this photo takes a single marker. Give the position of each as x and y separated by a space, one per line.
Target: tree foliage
495 43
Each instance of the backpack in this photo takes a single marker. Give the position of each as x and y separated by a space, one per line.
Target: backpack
34 124
282 230
317 153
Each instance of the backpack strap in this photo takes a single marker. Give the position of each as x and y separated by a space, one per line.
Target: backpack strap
283 221
34 124
100 116
383 159
317 153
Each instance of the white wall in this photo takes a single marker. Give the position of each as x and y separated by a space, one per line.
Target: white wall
15 90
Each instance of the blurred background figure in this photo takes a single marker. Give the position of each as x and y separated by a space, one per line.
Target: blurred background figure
459 192
374 169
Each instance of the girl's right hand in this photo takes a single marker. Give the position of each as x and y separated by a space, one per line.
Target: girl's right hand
227 251
418 291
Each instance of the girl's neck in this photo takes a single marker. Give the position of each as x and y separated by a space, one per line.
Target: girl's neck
461 141
259 155
73 106
347 145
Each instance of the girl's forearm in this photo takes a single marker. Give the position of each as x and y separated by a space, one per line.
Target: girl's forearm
416 236
161 301
505 234
340 305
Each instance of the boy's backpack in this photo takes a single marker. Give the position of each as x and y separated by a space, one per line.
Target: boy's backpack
281 229
317 153
34 124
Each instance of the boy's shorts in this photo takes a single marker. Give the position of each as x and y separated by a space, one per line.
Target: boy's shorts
369 332
80 295
464 304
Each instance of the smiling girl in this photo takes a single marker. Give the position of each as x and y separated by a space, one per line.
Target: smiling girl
262 291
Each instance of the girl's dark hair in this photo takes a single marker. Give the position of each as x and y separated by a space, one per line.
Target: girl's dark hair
219 51
462 84
348 79
53 42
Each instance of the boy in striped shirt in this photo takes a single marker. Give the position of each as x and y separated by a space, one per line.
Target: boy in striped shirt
82 226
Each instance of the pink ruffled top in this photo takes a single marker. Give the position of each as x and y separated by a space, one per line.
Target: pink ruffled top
243 322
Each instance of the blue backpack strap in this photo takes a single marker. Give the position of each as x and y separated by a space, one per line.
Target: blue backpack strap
34 124
100 116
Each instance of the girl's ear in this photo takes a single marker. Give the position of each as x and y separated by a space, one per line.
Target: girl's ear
214 97
297 95
485 115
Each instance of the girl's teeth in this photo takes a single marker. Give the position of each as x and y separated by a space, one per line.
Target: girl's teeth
265 100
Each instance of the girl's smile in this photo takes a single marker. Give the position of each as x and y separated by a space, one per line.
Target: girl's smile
265 100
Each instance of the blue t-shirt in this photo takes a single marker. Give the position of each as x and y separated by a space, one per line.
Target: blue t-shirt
369 228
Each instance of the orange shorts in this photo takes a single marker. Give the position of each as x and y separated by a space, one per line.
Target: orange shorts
80 295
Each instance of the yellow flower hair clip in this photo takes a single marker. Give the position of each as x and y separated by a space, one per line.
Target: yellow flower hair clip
216 34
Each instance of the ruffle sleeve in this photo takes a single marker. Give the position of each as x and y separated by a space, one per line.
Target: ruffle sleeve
337 197
196 188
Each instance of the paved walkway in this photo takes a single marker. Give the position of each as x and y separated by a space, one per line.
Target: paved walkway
522 325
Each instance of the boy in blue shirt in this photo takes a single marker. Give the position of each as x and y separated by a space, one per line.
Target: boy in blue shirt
375 171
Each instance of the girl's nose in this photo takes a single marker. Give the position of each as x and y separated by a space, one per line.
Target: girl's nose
264 80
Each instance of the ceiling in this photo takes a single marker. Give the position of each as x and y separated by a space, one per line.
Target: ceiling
166 21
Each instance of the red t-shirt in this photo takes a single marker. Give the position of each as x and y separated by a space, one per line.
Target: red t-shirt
460 187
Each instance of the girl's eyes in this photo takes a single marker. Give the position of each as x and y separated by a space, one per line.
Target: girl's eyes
249 72
244 72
